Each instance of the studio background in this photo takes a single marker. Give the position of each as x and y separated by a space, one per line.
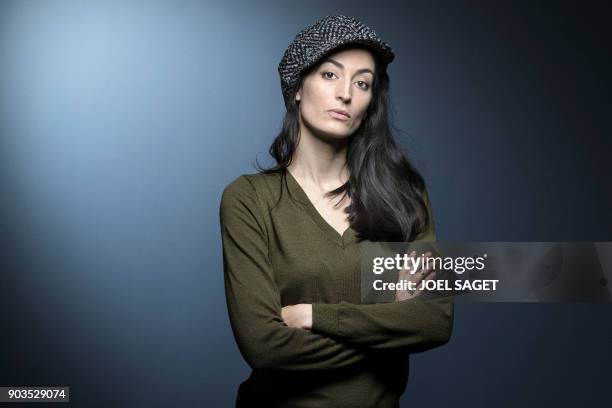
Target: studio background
122 122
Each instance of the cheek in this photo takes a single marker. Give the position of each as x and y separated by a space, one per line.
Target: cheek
363 106
320 94
313 106
309 111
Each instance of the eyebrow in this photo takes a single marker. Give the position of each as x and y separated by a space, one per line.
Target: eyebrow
339 65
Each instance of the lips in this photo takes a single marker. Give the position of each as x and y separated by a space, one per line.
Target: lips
340 113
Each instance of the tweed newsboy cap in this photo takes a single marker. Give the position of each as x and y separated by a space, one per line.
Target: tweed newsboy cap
318 39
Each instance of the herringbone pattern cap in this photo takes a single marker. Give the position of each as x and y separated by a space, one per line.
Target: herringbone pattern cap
318 39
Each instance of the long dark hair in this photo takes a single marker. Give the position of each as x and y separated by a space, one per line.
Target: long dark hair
388 196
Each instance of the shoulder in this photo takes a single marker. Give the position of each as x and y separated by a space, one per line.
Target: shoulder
252 183
251 189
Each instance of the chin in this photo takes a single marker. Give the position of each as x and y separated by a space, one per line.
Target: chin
336 130
335 134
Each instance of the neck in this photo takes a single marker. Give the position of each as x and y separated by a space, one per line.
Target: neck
320 162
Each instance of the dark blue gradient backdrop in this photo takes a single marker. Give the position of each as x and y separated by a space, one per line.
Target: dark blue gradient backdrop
122 121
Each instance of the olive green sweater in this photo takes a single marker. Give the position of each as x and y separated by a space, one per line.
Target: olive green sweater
278 251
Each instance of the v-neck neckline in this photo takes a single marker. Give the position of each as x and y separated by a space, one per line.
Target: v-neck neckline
347 237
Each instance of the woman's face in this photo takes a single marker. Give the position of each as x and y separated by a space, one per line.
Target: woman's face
342 82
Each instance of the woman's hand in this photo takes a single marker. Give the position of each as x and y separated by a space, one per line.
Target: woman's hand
299 316
416 277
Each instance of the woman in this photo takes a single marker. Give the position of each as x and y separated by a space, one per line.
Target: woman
291 235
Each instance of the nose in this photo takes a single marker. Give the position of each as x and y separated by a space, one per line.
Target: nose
343 91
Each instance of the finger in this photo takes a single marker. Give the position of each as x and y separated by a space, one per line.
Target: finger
424 269
412 254
421 278
430 276
425 272
405 271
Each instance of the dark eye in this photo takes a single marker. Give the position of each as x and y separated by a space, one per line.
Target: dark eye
326 76
363 85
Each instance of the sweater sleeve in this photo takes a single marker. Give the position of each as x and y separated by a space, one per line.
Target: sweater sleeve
414 324
253 298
